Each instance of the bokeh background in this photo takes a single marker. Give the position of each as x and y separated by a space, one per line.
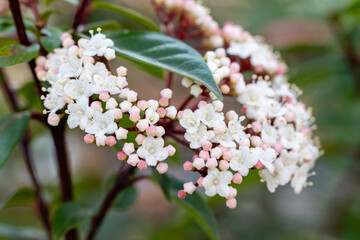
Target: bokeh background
318 39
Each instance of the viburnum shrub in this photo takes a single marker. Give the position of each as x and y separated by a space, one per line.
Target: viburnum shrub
269 131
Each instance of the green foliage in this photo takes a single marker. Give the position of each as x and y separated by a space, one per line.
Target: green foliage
28 92
52 38
125 199
194 204
22 197
68 216
11 54
12 128
165 52
13 232
105 25
128 13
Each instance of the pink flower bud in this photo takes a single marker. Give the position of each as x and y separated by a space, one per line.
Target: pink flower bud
160 131
133 160
125 106
260 116
110 141
231 115
202 103
88 59
65 36
142 165
142 105
111 103
96 106
306 131
199 182
131 96
104 96
128 148
162 168
170 149
204 155
68 42
41 74
53 119
227 156
180 114
142 124
189 187
161 111
166 93
171 112
199 163
216 153
231 203
244 142
256 126
256 141
139 139
153 104
134 117
118 114
259 165
219 129
67 99
39 68
40 61
151 131
207 145
181 194
109 54
121 155
211 163
88 138
121 133
100 140
234 67
225 89
223 148
280 121
237 178
278 147
164 102
232 193
134 109
290 116
187 166
224 165
121 71
123 92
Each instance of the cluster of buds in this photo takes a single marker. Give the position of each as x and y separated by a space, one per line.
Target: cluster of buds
194 20
99 103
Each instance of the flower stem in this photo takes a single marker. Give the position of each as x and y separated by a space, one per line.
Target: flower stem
81 13
169 79
121 183
40 204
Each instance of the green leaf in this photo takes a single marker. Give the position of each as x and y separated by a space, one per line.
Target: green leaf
15 232
125 199
128 13
22 197
28 92
165 52
44 16
68 216
164 182
12 128
52 38
105 25
12 54
195 205
152 70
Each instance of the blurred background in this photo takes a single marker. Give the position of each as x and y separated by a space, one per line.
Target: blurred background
319 40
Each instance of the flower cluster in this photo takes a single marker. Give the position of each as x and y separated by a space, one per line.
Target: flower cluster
80 85
277 138
193 16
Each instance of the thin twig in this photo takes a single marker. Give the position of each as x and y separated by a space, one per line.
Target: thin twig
81 13
169 79
186 102
122 182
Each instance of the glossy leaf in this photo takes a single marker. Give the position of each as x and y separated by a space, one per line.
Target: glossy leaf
52 38
22 197
128 13
125 199
12 128
68 216
12 54
165 52
28 92
197 208
105 25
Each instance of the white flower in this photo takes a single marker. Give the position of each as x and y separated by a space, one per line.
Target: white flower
152 150
256 94
77 88
217 182
197 138
274 108
243 159
190 120
266 157
300 178
309 151
152 115
243 50
102 123
54 102
269 134
236 130
72 67
102 83
209 116
97 45
289 138
78 113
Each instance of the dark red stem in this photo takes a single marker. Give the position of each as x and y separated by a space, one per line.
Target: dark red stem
81 14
